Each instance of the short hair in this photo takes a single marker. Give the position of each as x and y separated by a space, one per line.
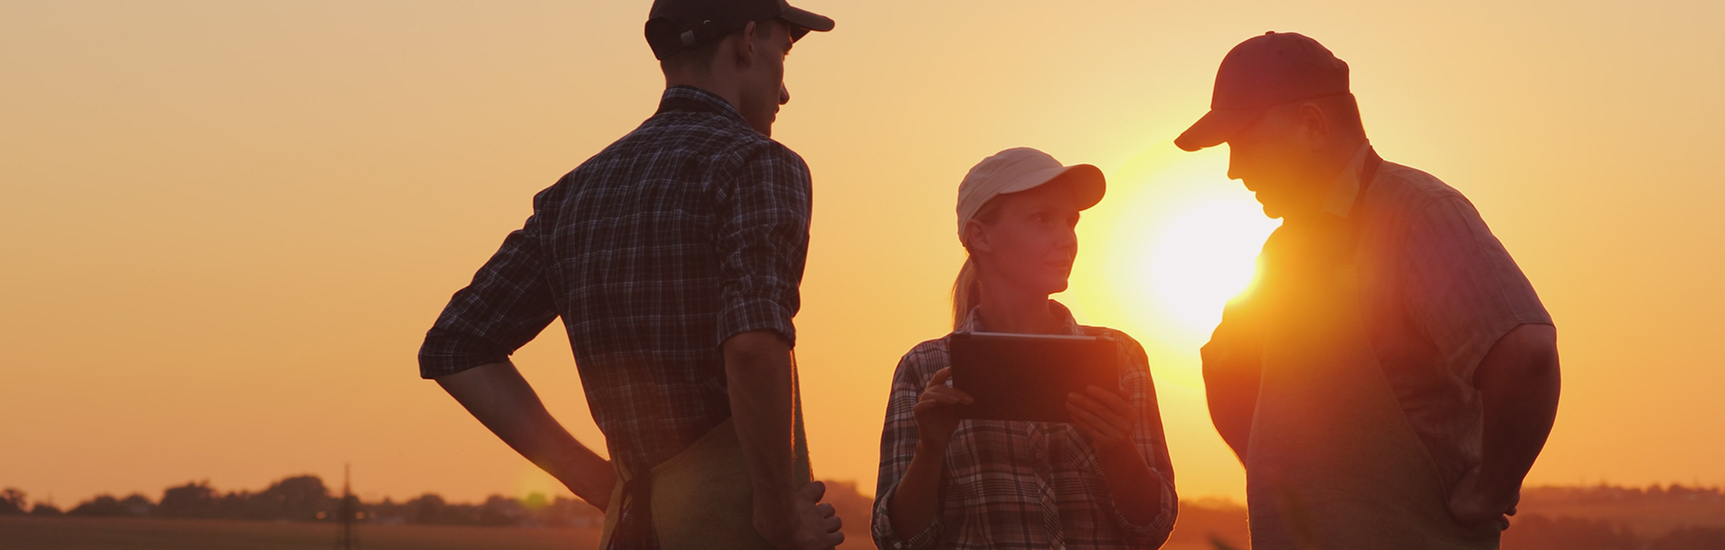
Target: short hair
699 58
1344 111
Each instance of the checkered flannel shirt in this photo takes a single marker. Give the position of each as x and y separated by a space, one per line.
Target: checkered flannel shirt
689 230
1029 485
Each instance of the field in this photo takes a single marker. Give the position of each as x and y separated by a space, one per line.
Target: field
75 533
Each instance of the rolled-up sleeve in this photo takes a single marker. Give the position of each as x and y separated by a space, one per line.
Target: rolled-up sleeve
762 242
897 447
1152 444
508 303
1463 289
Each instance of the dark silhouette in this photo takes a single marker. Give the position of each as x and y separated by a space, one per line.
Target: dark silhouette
1673 517
108 506
192 500
1392 376
11 501
674 258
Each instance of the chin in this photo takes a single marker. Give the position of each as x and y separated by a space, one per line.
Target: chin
1056 287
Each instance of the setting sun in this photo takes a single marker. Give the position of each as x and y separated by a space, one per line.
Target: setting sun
1202 257
1174 240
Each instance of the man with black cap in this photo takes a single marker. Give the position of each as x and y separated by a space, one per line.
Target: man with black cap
1392 376
674 258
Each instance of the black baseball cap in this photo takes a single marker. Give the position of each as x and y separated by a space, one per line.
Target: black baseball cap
1265 70
673 25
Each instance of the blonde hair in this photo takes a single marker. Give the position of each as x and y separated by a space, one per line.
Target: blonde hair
967 290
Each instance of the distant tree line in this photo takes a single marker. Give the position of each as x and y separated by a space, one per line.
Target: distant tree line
306 498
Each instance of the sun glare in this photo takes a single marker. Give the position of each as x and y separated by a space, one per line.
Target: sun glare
1172 242
1203 255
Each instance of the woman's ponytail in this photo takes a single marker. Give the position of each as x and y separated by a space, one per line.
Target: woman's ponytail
966 292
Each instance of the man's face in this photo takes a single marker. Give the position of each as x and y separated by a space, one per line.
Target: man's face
1275 159
764 83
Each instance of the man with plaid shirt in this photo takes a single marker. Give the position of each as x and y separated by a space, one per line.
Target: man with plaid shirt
673 257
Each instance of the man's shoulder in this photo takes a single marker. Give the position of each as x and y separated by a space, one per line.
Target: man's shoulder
1408 188
1405 197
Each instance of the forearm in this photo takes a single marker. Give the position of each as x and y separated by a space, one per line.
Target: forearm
502 400
1231 393
1135 488
916 502
1519 382
758 375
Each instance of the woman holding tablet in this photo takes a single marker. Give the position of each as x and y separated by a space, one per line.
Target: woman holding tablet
1102 480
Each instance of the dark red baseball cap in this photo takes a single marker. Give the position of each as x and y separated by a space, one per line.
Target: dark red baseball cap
1265 70
673 25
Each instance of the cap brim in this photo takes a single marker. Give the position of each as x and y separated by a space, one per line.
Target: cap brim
1217 126
808 20
1086 181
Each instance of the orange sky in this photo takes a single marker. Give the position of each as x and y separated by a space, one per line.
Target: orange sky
227 225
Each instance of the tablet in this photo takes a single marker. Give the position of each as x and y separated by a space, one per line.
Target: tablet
1025 377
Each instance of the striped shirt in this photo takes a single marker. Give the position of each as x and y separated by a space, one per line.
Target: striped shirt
1438 291
1029 485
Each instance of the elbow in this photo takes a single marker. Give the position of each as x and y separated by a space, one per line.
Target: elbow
1526 357
756 352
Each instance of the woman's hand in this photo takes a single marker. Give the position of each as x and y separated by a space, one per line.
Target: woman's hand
936 418
1103 416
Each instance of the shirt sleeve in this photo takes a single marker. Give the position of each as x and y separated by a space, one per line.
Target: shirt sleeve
897 446
1152 445
1462 287
762 243
508 303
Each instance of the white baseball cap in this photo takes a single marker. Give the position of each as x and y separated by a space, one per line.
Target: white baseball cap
1022 169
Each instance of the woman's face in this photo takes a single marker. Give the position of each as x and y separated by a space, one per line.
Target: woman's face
1029 243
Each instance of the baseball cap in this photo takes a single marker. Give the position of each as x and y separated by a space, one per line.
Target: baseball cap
673 25
1265 70
1022 169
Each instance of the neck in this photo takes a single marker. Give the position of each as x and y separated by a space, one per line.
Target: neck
1005 309
1327 175
710 83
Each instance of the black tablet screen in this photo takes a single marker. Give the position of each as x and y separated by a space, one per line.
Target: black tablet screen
1026 377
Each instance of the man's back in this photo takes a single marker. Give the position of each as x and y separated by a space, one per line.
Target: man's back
688 230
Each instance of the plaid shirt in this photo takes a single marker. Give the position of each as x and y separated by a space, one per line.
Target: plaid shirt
1030 485
689 230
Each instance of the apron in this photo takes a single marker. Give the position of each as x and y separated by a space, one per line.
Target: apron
700 498
1332 461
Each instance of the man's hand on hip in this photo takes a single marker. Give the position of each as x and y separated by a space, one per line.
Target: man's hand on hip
1473 502
808 524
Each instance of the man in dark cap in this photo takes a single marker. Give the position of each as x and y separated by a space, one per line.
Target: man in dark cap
674 258
1392 376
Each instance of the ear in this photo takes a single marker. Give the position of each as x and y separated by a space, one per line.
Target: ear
745 51
976 237
1314 127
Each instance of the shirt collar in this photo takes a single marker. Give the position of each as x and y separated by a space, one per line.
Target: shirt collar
1347 185
1068 325
711 100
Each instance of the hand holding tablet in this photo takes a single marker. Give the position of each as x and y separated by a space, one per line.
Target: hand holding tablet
1028 377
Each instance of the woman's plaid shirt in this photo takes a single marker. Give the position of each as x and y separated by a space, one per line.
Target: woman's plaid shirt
689 230
1029 485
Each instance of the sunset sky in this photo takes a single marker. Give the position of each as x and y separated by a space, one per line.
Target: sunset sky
225 226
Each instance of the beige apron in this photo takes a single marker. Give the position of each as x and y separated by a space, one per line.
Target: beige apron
1332 461
701 496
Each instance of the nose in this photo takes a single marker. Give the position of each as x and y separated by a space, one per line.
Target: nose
1234 171
1068 241
784 94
